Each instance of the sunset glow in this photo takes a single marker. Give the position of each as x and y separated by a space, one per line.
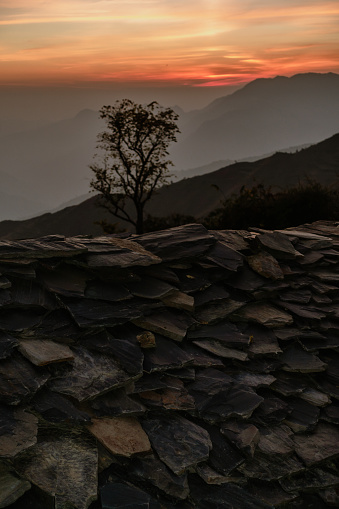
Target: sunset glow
196 43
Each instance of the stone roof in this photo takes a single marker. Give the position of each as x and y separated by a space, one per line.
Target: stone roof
178 369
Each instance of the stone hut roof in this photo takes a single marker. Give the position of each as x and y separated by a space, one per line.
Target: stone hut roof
179 369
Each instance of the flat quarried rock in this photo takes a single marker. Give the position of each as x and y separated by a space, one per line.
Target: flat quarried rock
122 436
117 253
179 300
65 468
224 256
171 324
174 397
18 431
117 403
314 479
12 487
166 355
187 241
318 446
150 288
91 374
42 352
216 348
279 245
7 345
122 496
243 435
96 313
297 360
269 468
179 443
155 471
19 380
45 247
224 458
265 314
66 280
121 344
224 332
265 265
276 440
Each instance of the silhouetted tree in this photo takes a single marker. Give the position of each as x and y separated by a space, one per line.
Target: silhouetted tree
133 156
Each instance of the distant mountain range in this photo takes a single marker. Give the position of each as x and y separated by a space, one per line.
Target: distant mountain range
52 163
195 196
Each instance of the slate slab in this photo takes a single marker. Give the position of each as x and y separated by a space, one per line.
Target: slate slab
297 360
18 320
100 313
276 440
171 324
189 241
220 350
278 244
113 252
45 247
243 435
55 408
218 396
18 431
211 294
19 380
117 403
224 256
272 467
225 332
173 397
179 300
12 487
179 443
218 310
7 344
265 314
271 411
120 343
57 325
91 374
42 352
121 496
150 288
122 436
265 265
314 479
65 468
303 417
166 355
66 280
223 457
227 496
153 470
321 445
110 291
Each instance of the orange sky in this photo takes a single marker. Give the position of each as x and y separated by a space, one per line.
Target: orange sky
171 42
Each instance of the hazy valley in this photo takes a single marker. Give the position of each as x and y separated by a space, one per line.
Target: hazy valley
46 168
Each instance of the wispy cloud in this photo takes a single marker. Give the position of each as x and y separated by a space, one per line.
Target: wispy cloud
187 41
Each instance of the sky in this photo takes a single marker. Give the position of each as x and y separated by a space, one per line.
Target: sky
155 43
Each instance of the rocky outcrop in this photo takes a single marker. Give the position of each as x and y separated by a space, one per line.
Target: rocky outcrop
184 368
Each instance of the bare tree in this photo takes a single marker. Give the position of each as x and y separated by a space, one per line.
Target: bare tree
133 157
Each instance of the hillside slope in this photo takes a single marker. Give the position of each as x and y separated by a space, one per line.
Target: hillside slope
196 196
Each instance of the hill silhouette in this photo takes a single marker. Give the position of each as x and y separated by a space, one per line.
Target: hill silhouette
264 116
196 196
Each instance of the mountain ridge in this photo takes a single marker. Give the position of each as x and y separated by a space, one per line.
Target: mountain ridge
196 196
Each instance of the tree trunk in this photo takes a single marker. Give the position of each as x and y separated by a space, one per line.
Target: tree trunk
139 229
